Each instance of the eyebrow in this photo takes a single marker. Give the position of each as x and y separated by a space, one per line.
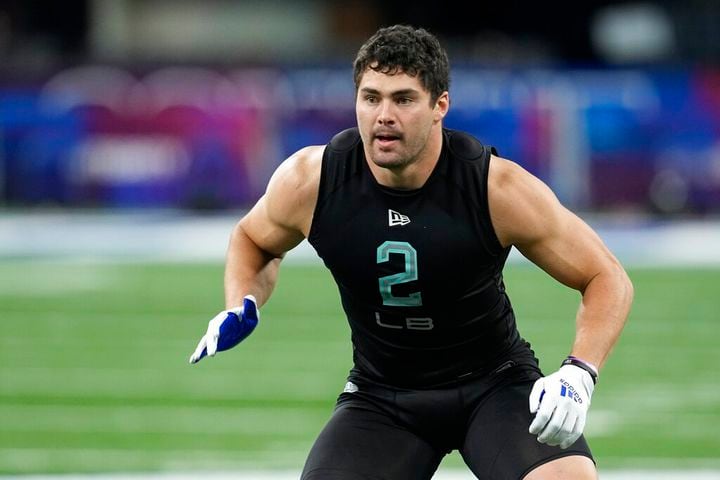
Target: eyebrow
396 93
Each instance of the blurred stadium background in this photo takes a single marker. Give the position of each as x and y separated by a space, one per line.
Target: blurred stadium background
134 133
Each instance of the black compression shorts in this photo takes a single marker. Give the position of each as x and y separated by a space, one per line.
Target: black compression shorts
379 432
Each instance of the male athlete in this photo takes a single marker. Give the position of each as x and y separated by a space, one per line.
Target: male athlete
415 223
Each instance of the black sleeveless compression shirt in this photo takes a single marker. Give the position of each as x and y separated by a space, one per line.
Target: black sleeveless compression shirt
419 272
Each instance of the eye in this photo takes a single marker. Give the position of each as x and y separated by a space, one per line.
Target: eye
404 100
371 99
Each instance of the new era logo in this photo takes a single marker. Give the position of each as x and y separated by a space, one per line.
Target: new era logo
396 218
350 387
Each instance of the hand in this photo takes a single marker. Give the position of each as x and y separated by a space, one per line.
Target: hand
561 402
227 329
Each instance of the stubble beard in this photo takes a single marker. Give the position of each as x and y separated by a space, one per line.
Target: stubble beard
395 159
391 160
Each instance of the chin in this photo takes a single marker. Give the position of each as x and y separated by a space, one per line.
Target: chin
385 161
388 159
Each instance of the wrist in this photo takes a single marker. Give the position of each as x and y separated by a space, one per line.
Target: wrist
580 363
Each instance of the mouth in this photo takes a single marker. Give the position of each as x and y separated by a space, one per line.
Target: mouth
386 138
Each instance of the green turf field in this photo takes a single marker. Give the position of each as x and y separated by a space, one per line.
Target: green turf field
94 373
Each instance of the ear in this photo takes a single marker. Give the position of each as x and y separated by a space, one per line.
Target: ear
442 105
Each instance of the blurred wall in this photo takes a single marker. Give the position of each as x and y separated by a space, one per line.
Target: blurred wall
213 30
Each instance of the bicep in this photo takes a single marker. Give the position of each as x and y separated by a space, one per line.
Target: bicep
568 249
280 220
267 229
528 215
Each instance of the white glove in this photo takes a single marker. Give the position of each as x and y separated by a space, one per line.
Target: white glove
227 329
561 402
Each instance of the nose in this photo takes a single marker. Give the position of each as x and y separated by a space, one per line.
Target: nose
386 115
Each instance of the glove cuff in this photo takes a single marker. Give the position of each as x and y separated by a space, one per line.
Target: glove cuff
579 378
588 367
236 310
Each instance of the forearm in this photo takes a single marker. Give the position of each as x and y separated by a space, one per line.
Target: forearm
605 306
248 270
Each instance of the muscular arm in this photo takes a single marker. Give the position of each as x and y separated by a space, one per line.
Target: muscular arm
526 214
278 222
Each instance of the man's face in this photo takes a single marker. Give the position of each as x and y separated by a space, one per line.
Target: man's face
395 117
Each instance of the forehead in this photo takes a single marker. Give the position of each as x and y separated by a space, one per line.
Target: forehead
383 82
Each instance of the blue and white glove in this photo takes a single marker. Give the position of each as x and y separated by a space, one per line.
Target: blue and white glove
560 402
227 329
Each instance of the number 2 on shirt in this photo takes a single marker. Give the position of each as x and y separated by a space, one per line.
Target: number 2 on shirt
408 275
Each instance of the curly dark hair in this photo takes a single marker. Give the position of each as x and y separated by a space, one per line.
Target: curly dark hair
403 48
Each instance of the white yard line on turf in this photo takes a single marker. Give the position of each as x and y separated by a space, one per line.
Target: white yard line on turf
180 236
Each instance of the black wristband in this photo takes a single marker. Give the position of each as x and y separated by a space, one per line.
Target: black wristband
570 360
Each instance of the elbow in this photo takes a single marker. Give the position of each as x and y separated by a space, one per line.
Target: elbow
616 284
629 289
624 286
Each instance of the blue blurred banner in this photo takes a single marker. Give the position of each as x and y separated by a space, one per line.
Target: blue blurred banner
204 138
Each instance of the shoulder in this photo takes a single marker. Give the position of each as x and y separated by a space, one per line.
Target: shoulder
292 191
299 170
504 174
520 203
465 146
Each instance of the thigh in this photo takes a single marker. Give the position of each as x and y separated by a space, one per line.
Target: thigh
361 443
498 445
572 467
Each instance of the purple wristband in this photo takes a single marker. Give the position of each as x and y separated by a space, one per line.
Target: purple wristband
588 367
